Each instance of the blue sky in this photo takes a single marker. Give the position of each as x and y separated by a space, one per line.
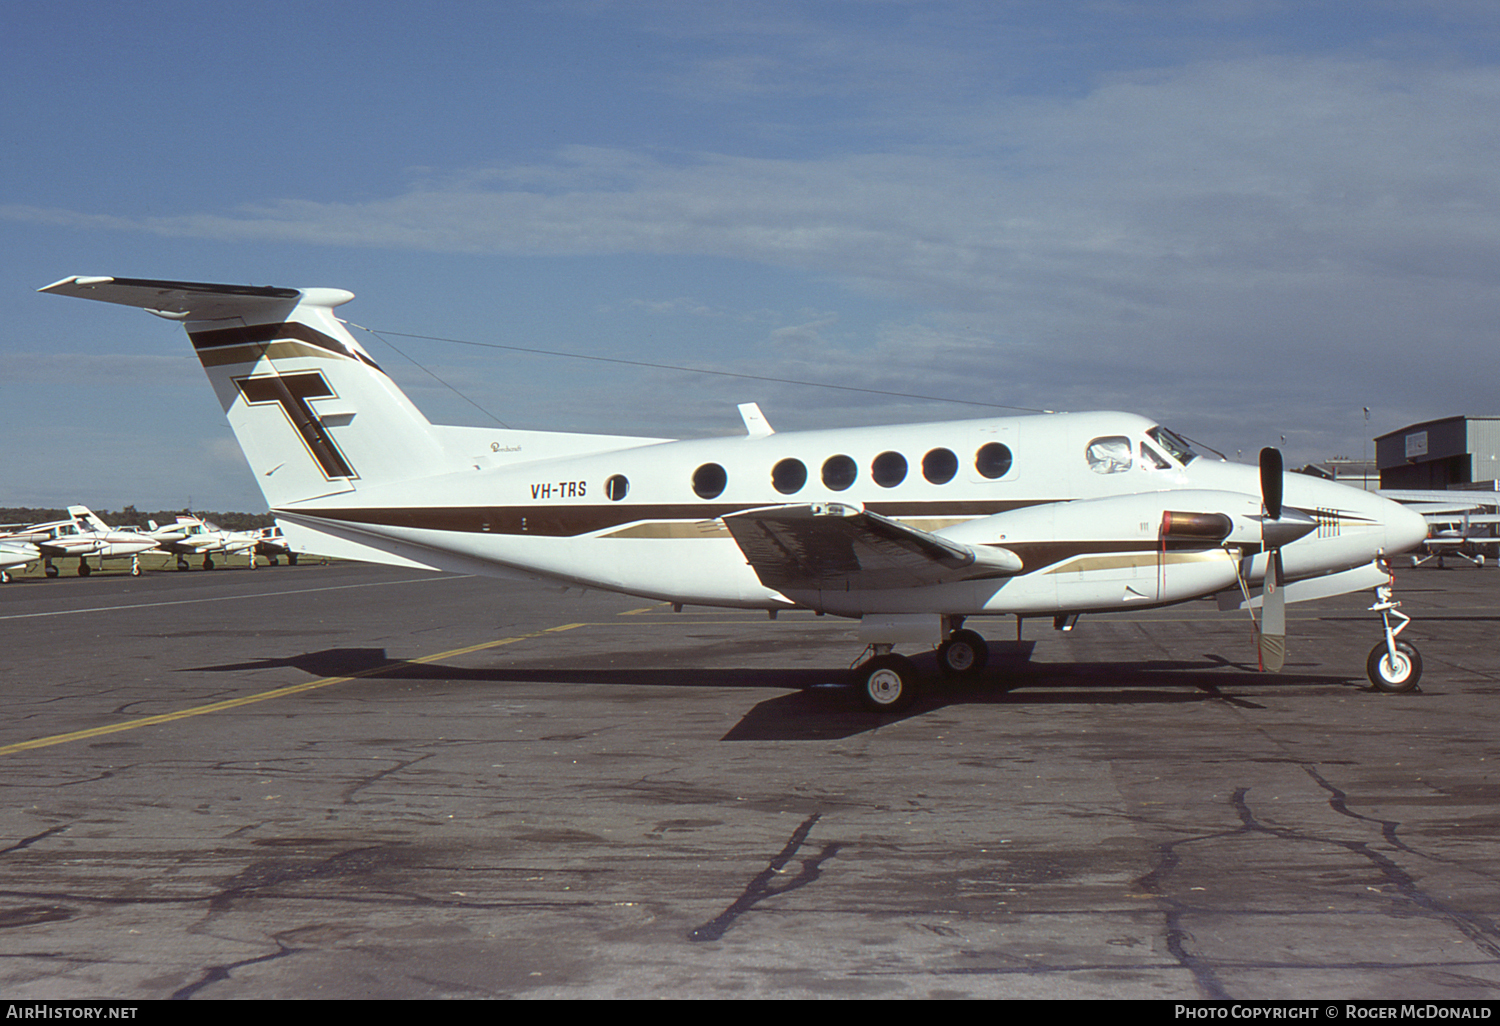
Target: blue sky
1248 218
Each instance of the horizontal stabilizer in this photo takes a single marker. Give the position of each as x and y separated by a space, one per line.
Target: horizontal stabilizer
830 546
183 300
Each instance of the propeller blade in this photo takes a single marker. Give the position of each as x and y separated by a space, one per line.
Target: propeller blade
1273 618
1270 481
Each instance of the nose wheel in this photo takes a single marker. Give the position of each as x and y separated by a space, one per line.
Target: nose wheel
1394 666
1394 673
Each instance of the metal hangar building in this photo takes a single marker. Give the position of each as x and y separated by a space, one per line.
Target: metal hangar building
1452 452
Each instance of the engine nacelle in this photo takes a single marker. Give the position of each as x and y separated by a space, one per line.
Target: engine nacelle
1110 553
1190 518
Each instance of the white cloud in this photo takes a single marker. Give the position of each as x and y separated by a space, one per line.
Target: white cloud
1307 227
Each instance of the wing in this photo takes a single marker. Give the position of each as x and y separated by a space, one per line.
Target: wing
830 546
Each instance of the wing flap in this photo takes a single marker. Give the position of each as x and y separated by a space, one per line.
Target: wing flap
830 546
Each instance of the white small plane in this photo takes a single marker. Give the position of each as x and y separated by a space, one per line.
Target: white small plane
913 529
82 535
14 555
1468 539
193 536
1459 522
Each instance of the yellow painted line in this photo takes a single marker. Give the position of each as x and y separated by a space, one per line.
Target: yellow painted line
644 609
294 689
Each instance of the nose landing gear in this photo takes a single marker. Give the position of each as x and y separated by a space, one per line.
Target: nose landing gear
1394 666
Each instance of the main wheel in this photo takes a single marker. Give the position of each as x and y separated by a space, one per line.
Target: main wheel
887 683
963 654
1394 677
84 569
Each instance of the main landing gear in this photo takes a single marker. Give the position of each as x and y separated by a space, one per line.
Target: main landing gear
1394 666
888 682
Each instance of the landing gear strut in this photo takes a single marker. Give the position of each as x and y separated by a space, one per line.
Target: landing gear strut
1394 666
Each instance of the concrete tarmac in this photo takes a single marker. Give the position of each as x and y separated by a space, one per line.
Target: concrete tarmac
356 782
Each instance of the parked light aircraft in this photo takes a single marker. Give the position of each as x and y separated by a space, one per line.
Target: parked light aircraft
1460 522
14 555
272 544
192 536
82 535
913 529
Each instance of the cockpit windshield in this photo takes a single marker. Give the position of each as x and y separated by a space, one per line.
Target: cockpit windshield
1174 444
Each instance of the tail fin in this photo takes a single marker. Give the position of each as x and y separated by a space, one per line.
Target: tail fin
313 412
88 516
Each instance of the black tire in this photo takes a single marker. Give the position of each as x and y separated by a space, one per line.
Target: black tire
964 654
84 569
1397 678
887 683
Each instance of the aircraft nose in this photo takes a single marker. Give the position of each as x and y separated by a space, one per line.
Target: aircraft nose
1404 528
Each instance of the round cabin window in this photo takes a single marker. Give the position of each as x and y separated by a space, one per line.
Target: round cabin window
839 472
993 460
788 476
939 466
888 469
709 481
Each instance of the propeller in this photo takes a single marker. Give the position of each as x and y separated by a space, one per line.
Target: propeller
1271 482
1274 533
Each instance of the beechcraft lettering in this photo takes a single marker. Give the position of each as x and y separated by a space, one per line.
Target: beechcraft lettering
918 531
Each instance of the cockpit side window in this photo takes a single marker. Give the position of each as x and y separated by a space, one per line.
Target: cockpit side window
1150 459
1175 445
1109 455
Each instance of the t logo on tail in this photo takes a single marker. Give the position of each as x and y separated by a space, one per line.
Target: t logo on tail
292 391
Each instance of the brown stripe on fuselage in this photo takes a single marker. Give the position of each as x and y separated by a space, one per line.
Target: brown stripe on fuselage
691 521
571 521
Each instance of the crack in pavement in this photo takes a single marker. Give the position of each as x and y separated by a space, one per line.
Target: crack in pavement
1477 928
760 887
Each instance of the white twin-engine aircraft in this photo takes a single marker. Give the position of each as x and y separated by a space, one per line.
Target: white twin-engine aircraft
913 529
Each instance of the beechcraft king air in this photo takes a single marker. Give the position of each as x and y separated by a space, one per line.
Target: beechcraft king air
912 529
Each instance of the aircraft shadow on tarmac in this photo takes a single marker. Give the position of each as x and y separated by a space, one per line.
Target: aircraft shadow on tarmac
821 705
